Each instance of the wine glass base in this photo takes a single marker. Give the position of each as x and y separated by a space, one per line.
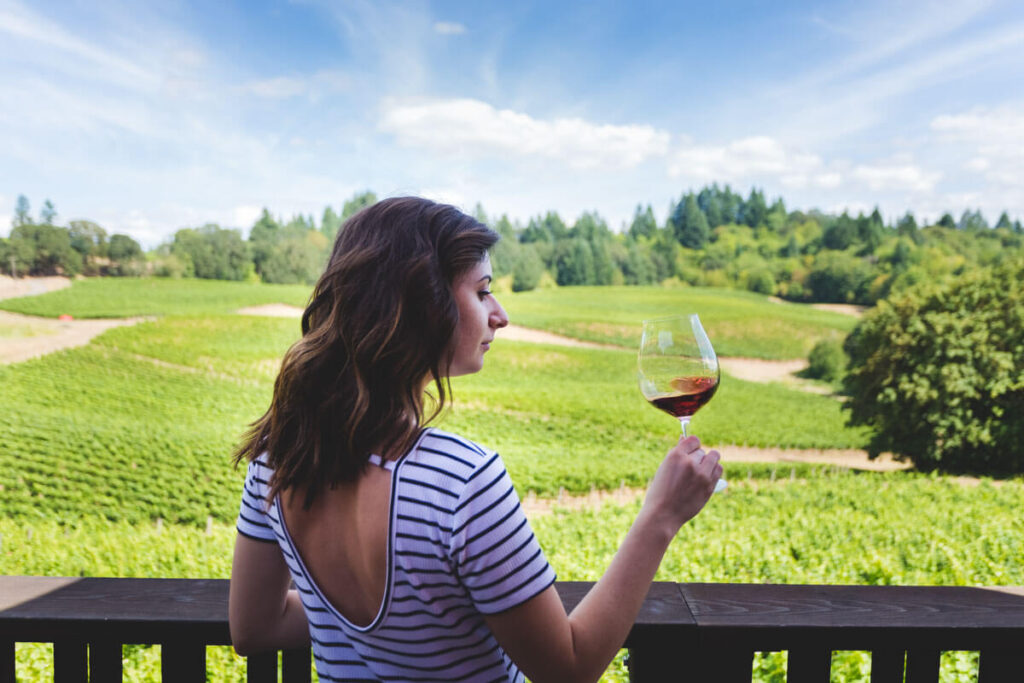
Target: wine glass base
721 485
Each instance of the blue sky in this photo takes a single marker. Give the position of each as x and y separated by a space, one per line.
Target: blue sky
148 117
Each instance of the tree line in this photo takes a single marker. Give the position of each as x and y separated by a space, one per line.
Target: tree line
712 237
41 247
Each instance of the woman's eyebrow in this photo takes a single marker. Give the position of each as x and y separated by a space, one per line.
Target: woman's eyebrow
485 277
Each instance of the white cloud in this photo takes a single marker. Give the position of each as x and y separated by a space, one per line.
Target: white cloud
994 138
245 216
896 176
449 28
757 158
284 87
473 128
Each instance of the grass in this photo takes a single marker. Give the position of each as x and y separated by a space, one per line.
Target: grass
129 297
738 323
109 428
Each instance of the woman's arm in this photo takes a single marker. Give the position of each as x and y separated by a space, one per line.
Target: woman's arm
262 613
550 646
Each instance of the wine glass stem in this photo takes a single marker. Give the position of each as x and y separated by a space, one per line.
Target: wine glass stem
683 422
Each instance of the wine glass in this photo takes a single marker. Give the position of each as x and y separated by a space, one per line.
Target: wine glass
678 368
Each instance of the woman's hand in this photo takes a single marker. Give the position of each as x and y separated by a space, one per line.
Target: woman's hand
682 485
547 645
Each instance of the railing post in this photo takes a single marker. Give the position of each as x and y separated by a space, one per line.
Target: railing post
887 666
7 669
809 665
922 665
1000 666
295 666
70 661
261 668
105 661
183 661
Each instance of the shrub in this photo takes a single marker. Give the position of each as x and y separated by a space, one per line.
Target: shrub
827 360
938 372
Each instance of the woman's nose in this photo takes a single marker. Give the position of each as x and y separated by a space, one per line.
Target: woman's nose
499 318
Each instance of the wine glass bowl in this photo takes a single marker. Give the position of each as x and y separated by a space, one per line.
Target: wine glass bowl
678 370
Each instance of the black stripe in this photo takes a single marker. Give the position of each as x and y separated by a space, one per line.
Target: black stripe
497 501
439 470
469 445
485 551
257 538
524 584
481 491
447 455
426 485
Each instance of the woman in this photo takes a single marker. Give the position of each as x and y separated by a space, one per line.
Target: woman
410 555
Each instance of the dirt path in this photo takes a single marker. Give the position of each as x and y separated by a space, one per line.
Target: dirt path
24 336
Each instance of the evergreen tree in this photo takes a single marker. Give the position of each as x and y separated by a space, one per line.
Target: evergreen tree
21 212
644 224
755 210
1004 221
689 223
48 214
947 222
330 223
358 202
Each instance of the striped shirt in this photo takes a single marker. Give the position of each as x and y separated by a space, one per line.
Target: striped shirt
459 547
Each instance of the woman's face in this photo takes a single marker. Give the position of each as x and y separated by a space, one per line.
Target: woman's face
480 316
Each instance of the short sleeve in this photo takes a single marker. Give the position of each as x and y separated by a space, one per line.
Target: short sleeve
495 554
252 513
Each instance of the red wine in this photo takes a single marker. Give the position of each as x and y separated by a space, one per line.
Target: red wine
694 392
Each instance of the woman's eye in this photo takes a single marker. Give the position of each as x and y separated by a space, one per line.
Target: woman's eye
484 293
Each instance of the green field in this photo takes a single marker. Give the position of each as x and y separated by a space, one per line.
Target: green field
96 441
739 323
115 297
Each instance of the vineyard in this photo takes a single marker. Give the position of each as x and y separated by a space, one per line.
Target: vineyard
116 456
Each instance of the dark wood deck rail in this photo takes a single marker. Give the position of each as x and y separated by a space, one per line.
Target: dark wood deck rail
691 632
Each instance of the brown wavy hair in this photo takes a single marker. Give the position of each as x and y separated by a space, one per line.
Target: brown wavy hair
377 330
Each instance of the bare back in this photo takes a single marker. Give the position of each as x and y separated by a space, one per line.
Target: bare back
343 541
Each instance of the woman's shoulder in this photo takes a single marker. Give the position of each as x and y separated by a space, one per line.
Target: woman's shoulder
457 454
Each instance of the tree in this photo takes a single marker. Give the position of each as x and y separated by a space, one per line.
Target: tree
935 373
947 222
359 201
907 226
689 223
528 269
21 212
44 250
574 262
330 223
214 252
125 255
298 259
263 239
644 224
972 221
840 234
755 209
48 214
1004 222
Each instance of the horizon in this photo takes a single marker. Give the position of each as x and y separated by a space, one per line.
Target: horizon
150 119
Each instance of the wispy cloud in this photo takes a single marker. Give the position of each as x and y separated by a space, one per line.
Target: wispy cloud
316 85
472 128
896 176
994 138
449 28
752 159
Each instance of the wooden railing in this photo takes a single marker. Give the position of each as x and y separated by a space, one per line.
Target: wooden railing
685 632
